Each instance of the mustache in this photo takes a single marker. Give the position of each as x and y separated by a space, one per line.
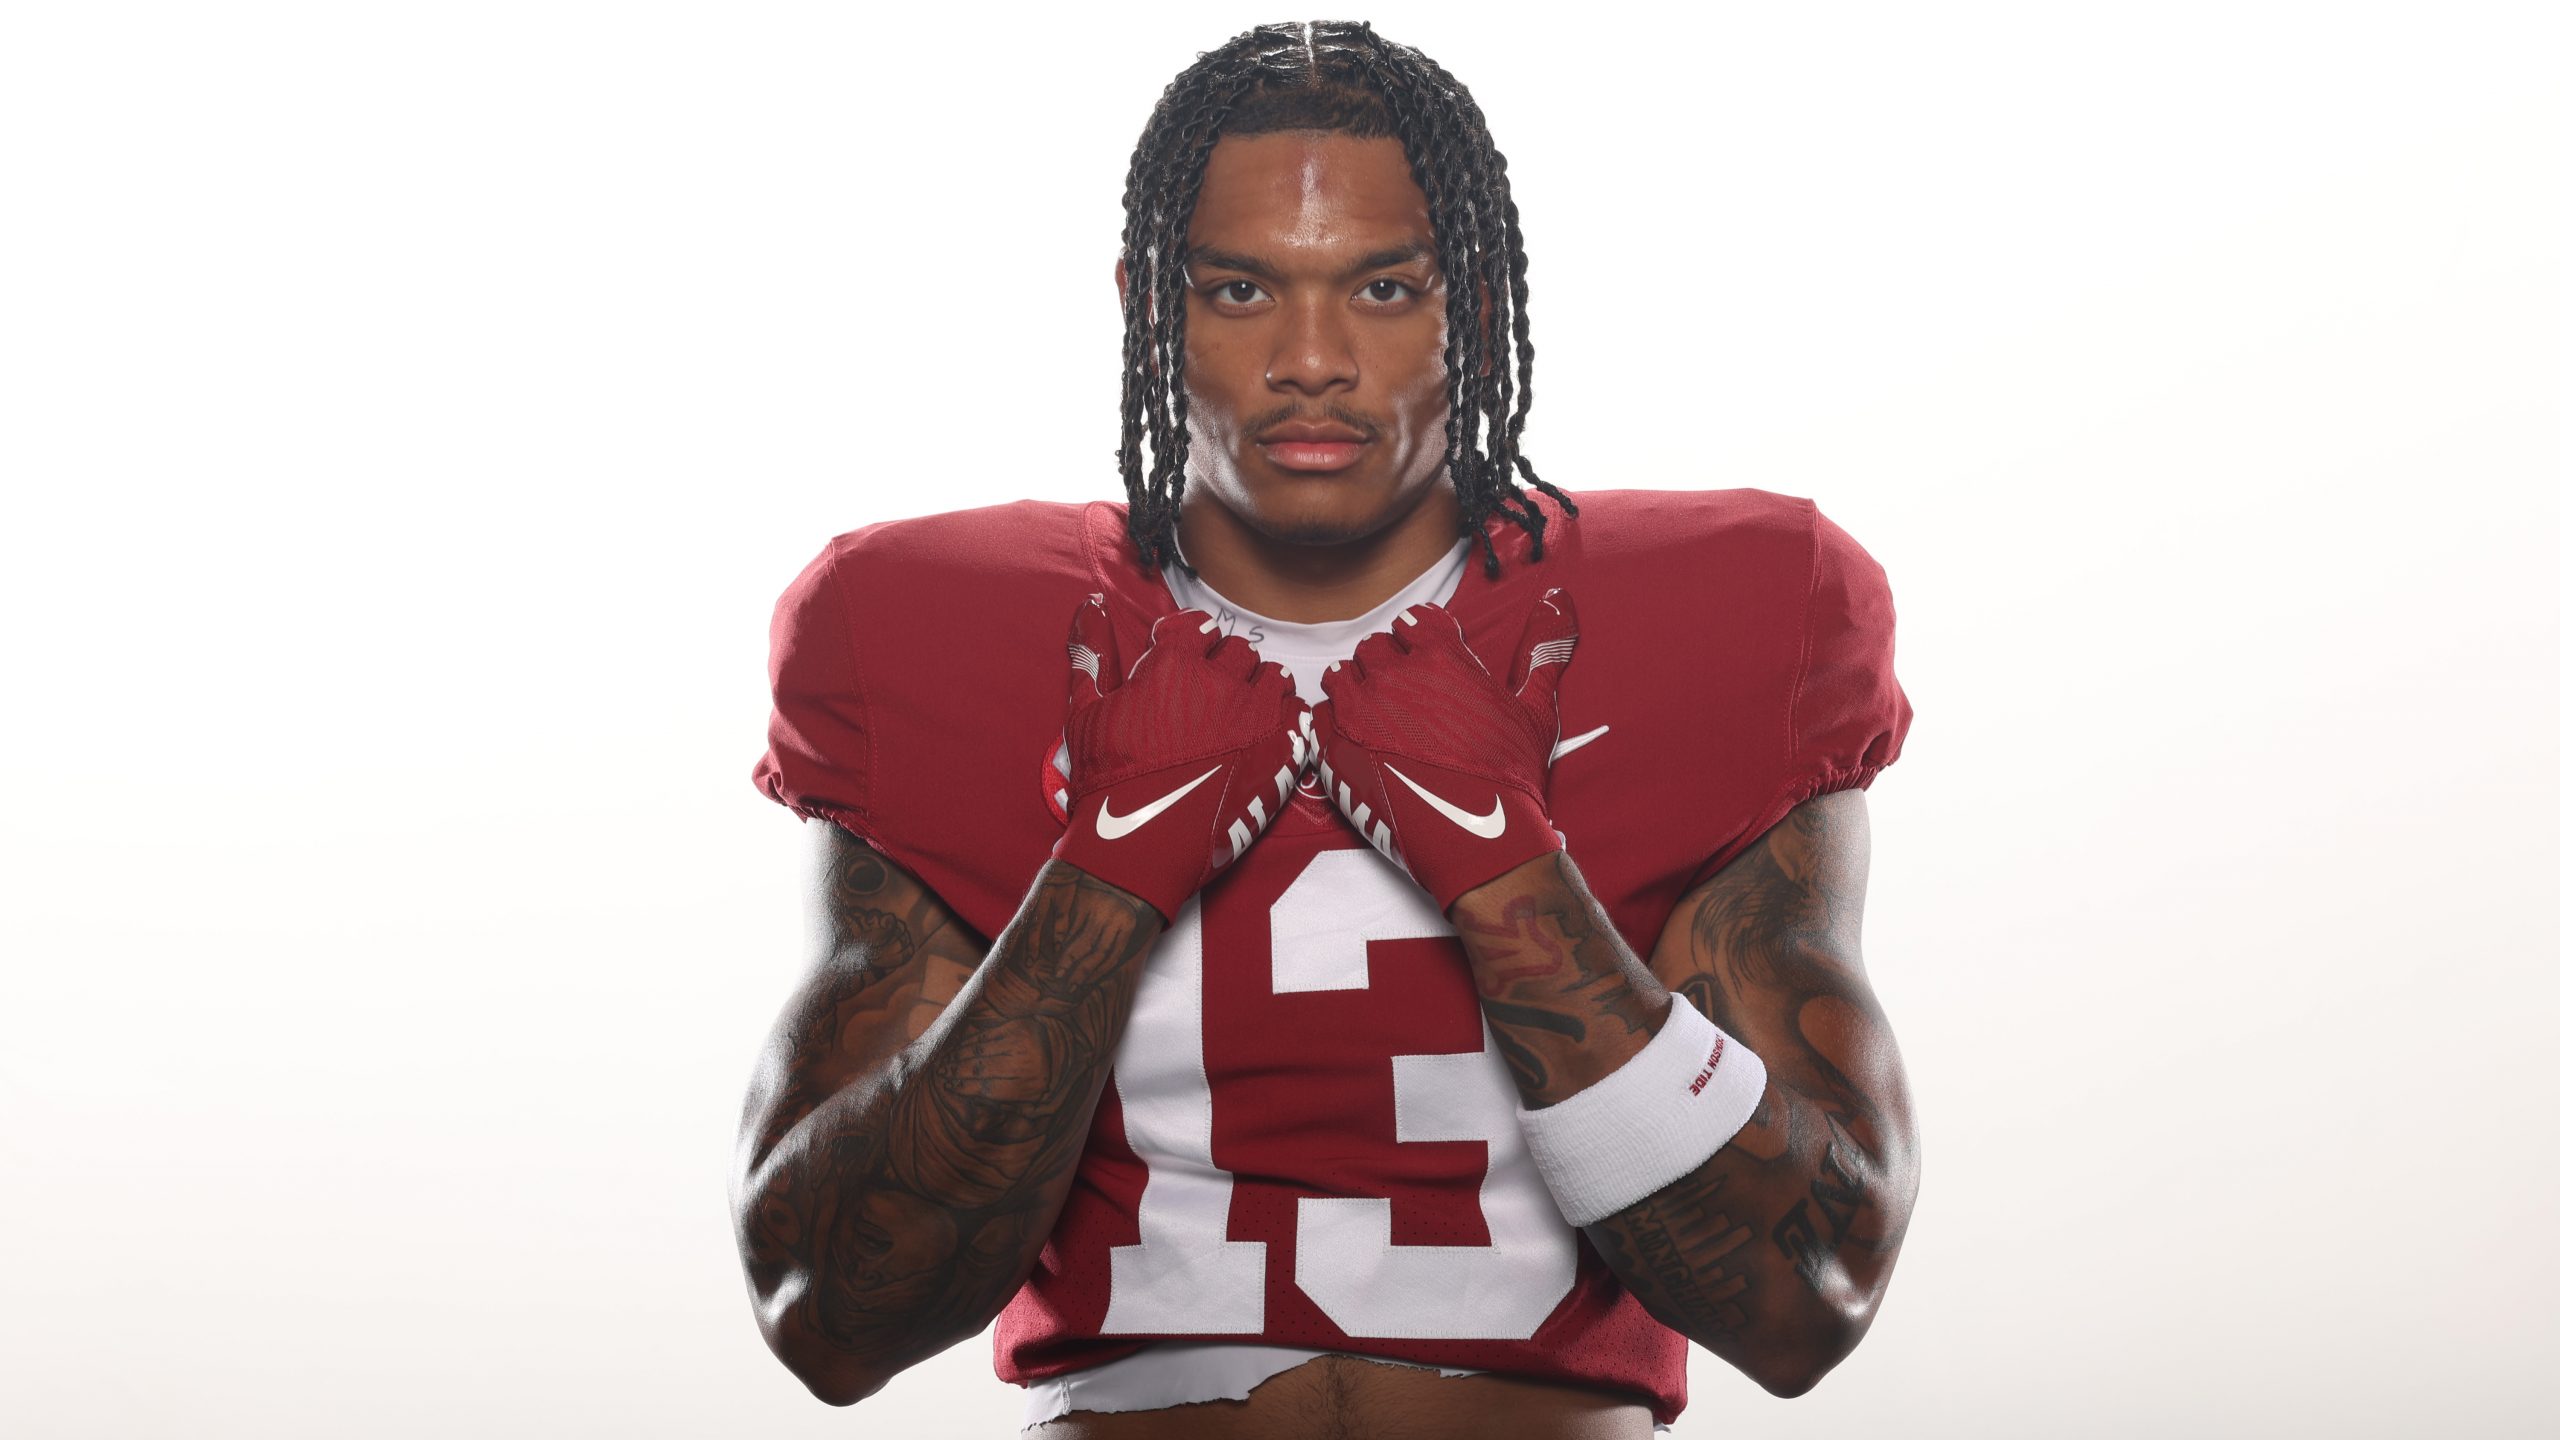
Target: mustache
1336 414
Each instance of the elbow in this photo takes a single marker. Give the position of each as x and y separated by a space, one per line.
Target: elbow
840 1363
1795 1371
840 1372
1798 1363
1844 1287
784 1298
835 1372
840 1387
830 1374
1797 1357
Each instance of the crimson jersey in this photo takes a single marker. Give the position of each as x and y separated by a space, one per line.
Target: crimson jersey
1309 1139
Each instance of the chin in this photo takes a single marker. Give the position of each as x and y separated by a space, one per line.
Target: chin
1315 526
1303 511
1315 530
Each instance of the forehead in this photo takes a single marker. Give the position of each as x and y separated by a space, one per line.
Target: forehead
1308 193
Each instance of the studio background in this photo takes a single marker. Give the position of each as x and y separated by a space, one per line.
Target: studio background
411 413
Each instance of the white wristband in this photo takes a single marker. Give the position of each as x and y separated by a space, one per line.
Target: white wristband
1648 1122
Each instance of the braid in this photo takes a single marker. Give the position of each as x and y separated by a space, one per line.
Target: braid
1164 180
1331 76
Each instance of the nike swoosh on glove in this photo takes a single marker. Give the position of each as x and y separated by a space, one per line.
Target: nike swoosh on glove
1174 770
1437 764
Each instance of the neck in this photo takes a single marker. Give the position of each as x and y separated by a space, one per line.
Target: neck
1313 583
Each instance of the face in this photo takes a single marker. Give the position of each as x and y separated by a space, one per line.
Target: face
1315 325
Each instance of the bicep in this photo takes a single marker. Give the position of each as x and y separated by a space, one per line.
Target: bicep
889 955
1769 948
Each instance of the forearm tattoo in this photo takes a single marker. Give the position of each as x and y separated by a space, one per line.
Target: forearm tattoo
1548 970
913 1132
1797 1221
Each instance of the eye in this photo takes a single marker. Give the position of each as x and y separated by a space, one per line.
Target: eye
1387 292
1233 291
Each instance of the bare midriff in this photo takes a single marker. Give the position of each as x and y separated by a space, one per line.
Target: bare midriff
1342 1397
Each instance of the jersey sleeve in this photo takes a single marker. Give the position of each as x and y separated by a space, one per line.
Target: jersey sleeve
1847 715
1845 711
817 756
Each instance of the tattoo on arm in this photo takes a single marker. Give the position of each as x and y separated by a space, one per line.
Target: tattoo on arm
1800 1217
1509 1020
1548 971
895 958
921 1111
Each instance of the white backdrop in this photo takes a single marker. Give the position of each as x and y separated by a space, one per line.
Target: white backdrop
409 414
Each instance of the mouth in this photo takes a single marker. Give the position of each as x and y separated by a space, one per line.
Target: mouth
1312 455
1312 446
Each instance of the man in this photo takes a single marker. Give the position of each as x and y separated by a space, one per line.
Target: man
1313 1081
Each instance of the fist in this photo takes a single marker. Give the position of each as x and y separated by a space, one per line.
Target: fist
1175 767
1436 763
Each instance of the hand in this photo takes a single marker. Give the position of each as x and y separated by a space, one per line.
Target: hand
1437 764
1174 770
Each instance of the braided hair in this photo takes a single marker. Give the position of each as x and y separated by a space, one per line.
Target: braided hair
1334 76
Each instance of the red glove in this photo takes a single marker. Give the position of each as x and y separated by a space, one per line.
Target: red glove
1172 772
1439 765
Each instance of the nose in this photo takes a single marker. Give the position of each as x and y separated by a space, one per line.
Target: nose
1312 353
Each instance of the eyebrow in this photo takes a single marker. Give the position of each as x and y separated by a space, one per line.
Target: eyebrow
1260 268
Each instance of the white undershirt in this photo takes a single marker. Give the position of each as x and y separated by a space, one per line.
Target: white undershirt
1304 649
1183 1372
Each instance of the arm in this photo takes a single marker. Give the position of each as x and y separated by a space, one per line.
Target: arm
911 1136
915 1121
1775 1253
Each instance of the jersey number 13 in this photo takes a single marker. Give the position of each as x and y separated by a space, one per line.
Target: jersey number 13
1184 1276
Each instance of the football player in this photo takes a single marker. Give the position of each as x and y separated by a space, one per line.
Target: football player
1354 939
